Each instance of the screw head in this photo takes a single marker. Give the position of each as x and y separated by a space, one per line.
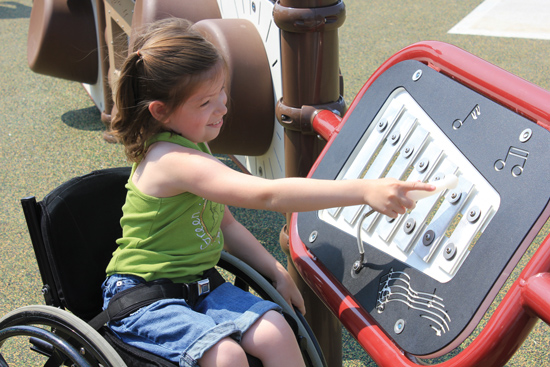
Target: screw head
474 214
417 75
399 326
449 252
408 151
395 138
382 124
409 225
525 135
423 165
428 238
313 236
454 196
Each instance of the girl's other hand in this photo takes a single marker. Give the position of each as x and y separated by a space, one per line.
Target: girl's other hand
284 284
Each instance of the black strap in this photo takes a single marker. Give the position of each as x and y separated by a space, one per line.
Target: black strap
130 300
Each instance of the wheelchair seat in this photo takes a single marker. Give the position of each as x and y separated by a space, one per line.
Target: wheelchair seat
73 231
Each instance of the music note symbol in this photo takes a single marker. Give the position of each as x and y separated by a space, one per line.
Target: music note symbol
515 158
474 114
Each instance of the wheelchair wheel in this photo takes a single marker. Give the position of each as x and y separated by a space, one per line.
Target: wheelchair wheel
65 338
245 274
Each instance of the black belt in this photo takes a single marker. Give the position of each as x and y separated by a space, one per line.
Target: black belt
130 300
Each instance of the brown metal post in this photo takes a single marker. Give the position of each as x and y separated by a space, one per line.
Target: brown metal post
310 71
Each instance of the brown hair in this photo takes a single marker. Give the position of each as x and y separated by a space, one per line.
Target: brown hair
170 60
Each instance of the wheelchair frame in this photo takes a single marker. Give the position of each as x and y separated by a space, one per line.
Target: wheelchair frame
70 337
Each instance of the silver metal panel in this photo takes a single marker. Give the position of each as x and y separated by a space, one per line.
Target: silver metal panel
404 238
373 143
408 153
442 219
463 235
404 143
384 156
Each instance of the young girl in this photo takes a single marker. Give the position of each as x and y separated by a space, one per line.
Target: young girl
171 100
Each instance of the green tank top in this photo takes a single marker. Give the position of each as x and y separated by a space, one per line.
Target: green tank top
177 237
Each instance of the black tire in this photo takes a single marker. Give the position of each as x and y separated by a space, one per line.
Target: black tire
81 336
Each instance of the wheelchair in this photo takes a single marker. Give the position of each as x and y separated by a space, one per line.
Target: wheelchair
73 231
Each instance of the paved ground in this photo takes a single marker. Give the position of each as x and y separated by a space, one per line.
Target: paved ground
50 130
508 18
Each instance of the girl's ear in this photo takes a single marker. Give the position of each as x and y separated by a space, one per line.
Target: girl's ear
158 111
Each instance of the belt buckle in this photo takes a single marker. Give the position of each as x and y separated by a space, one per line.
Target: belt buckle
203 286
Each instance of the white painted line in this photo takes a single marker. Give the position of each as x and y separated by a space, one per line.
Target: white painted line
508 18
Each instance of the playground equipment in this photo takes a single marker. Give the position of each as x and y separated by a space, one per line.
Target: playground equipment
419 284
406 289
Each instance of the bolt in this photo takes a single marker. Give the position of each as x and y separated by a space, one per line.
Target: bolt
474 214
382 124
429 237
409 225
399 326
450 252
408 151
313 236
417 75
525 135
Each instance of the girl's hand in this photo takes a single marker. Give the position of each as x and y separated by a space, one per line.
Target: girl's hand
284 284
389 196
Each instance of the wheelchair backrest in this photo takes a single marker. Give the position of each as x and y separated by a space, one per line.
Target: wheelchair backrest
74 231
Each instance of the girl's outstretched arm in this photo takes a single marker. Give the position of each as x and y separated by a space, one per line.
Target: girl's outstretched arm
241 243
170 169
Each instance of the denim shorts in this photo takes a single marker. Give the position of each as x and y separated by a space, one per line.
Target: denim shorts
172 329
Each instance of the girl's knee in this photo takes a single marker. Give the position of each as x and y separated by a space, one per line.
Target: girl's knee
227 352
272 340
271 330
278 321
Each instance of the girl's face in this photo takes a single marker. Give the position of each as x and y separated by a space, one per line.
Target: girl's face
200 118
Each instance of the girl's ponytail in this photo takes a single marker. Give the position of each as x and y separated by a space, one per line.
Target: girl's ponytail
132 110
